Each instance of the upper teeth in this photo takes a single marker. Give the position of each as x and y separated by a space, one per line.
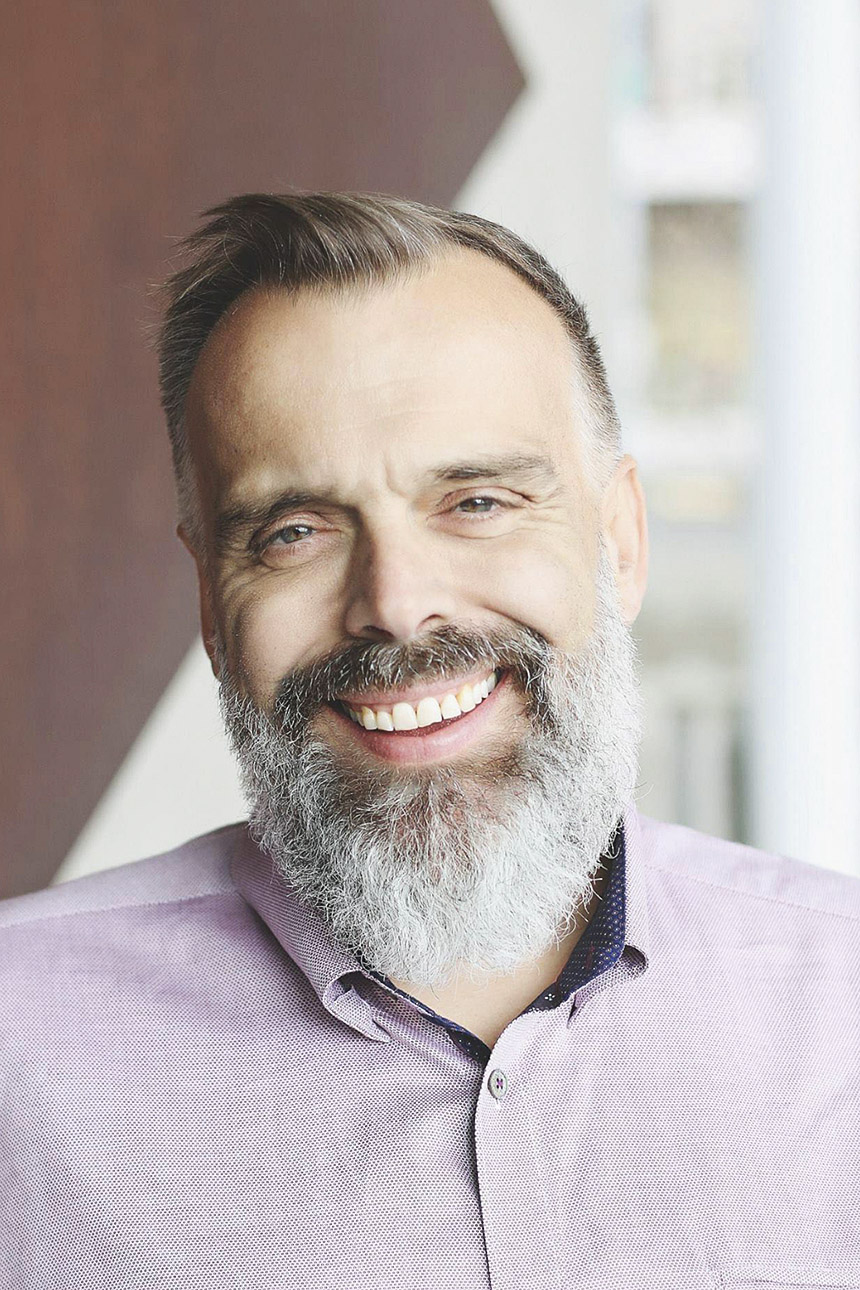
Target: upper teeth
427 711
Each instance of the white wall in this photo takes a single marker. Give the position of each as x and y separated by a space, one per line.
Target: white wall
806 632
178 780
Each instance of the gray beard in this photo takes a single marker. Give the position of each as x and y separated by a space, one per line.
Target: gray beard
436 872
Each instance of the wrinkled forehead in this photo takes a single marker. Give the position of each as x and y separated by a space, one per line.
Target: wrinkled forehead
461 348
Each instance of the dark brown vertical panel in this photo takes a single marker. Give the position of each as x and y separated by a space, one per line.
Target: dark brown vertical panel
121 121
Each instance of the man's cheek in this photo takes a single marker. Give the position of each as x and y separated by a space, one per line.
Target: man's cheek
548 594
271 636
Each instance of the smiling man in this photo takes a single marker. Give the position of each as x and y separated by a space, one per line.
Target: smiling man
407 563
448 1011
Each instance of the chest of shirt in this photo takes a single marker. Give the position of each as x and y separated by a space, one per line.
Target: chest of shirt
621 1150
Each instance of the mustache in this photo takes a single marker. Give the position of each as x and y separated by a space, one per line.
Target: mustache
448 651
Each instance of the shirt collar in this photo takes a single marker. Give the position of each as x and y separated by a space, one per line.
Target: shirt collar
305 937
636 931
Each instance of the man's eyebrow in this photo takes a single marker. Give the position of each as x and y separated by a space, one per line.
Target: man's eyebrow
514 466
249 516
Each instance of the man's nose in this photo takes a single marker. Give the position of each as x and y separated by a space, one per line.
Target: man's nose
398 589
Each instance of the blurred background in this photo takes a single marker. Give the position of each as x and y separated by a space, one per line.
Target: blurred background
692 168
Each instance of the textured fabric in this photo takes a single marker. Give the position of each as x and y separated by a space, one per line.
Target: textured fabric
199 1089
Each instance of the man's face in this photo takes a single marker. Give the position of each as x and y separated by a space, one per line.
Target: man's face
396 508
369 403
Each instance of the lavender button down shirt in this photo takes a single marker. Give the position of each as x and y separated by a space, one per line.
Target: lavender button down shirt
199 1089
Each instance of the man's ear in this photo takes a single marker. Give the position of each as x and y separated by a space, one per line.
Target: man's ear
624 524
207 617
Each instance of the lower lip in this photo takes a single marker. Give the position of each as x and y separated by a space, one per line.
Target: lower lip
428 743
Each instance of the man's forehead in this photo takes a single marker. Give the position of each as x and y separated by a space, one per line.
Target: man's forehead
401 377
463 306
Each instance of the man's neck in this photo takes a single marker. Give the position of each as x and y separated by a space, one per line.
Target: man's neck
488 1007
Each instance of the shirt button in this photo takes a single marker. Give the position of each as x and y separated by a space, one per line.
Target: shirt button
498 1084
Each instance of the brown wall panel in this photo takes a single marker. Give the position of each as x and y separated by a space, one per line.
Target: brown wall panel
120 122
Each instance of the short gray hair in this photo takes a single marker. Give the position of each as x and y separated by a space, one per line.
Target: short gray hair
301 241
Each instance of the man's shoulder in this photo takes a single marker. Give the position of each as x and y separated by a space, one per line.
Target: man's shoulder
198 868
751 876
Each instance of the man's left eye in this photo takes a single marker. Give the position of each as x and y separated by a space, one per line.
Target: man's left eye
289 534
480 500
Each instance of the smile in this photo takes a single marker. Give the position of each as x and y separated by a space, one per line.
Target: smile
422 728
429 710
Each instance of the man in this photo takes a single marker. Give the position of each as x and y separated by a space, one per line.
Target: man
449 1012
